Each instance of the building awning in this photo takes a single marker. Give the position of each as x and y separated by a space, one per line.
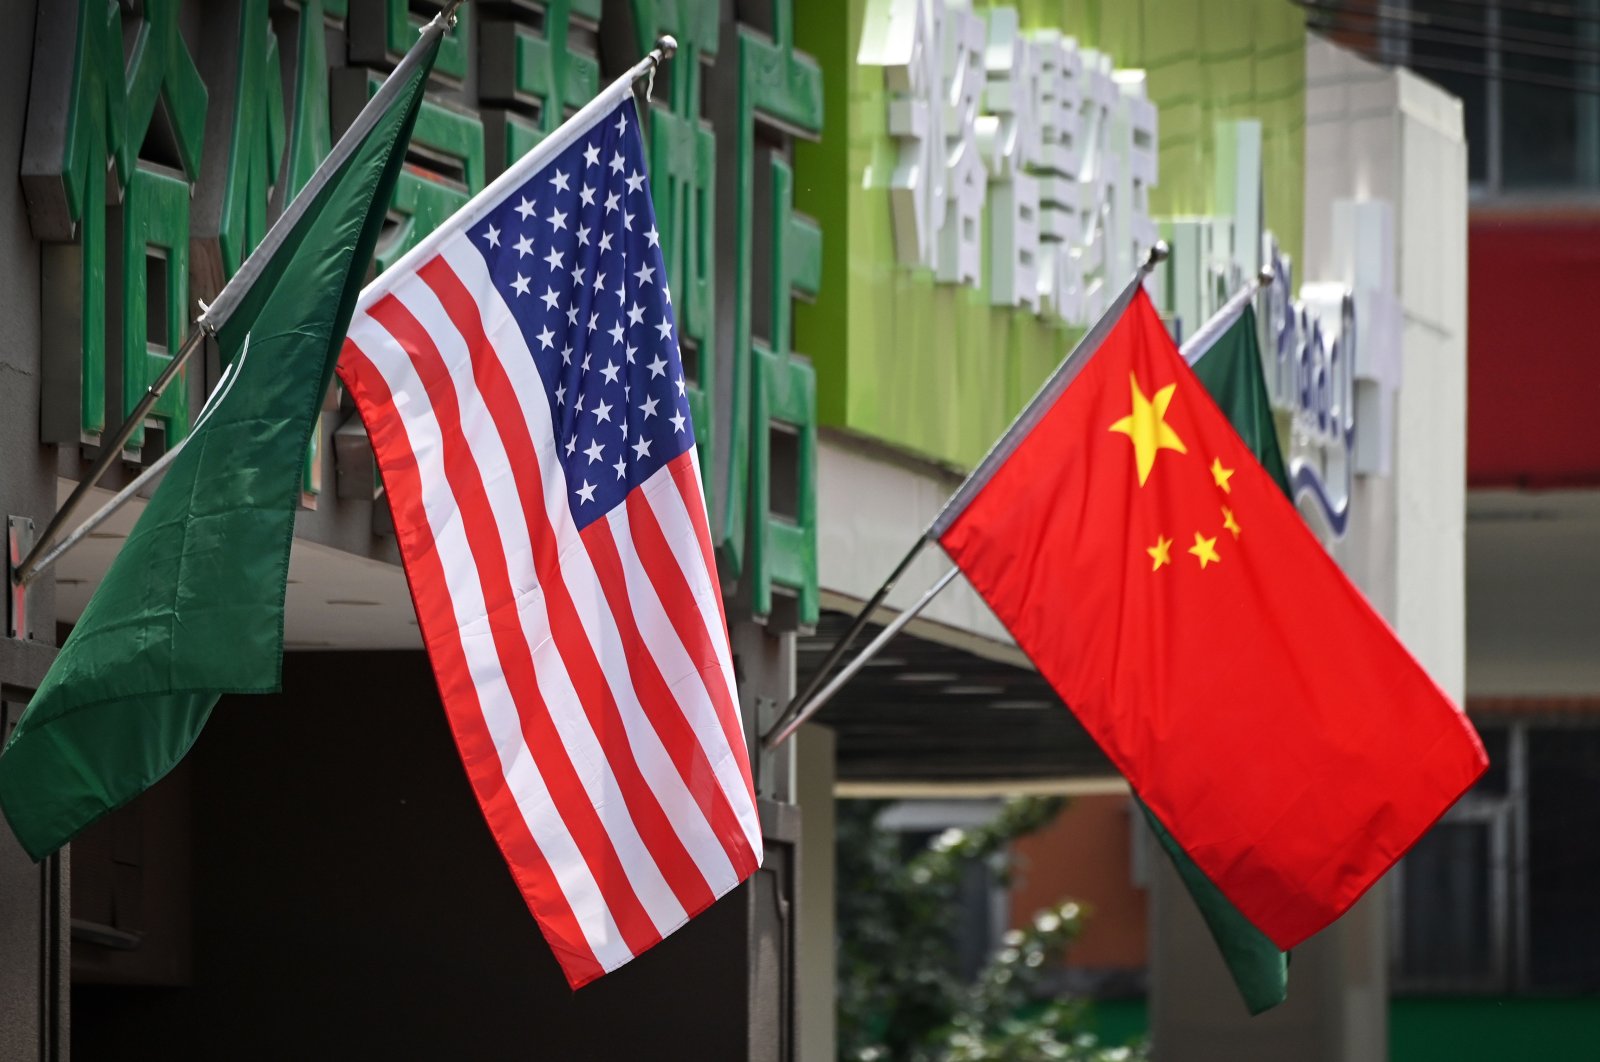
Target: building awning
924 713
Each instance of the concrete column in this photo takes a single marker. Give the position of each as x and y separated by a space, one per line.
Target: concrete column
34 916
1337 1009
814 950
35 974
764 663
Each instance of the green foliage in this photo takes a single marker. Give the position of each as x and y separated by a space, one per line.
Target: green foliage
900 995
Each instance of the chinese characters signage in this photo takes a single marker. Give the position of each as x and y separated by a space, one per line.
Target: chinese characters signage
1020 143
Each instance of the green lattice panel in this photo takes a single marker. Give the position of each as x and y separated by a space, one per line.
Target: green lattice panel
155 218
422 200
255 148
778 85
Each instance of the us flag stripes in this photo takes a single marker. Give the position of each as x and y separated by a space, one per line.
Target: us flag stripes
520 380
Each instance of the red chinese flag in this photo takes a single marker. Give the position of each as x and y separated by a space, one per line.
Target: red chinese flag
1173 597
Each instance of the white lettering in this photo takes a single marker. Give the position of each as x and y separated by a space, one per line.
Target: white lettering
961 234
1057 69
1010 141
1059 147
903 37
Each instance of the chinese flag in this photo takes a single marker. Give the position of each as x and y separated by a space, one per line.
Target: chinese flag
1173 597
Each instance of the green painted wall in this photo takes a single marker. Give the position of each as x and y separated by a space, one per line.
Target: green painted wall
1444 1029
933 368
1465 1029
1208 61
1118 1022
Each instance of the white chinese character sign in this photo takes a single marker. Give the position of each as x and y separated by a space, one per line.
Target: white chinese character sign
1020 138
905 38
966 178
1023 166
1330 348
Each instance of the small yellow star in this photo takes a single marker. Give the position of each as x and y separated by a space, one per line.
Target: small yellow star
1221 475
1205 549
1161 552
1147 427
1228 522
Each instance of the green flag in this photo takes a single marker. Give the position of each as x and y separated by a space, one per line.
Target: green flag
192 607
1231 370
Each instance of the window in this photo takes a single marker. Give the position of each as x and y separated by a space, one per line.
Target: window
1563 859
1498 896
1453 912
1451 897
1527 73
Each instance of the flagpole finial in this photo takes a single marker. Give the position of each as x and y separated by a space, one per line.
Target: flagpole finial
666 47
1266 276
445 18
1158 254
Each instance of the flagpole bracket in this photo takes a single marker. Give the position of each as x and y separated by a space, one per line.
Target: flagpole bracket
19 543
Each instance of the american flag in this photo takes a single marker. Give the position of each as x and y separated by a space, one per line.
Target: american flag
520 381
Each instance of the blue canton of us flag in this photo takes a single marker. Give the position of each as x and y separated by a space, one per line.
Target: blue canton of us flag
576 255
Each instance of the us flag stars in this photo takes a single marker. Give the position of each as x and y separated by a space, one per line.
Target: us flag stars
605 344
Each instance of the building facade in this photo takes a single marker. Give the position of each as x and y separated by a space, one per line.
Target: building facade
1491 949
1277 147
885 222
153 144
1506 871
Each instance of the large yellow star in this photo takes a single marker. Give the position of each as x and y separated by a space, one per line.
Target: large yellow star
1205 550
1147 427
1161 552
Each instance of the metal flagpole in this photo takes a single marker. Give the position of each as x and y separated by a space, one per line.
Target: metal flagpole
840 647
214 316
31 566
801 707
814 705
1191 350
45 550
104 513
1206 335
101 515
544 150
